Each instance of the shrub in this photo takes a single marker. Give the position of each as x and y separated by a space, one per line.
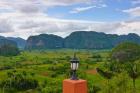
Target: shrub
126 52
18 82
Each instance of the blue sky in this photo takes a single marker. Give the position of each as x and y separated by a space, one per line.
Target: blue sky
110 12
22 18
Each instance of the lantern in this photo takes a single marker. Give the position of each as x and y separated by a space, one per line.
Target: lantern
74 67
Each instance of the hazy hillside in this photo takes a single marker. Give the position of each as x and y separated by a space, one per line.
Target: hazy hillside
80 40
20 42
130 37
44 41
4 41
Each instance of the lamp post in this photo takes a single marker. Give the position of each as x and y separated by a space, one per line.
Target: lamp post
74 67
74 85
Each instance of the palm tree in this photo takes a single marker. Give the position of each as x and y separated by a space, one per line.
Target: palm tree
133 74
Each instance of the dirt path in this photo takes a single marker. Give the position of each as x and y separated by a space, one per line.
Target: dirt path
93 71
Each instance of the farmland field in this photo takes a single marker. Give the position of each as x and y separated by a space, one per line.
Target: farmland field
50 67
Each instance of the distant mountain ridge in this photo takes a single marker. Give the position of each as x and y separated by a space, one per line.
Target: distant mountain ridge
80 40
19 42
44 41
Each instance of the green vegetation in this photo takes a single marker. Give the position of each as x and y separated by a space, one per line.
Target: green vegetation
8 50
18 82
43 71
125 56
126 52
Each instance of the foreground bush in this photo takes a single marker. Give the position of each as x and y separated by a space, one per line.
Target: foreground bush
18 81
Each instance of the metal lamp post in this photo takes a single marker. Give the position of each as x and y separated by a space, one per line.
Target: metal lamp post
74 67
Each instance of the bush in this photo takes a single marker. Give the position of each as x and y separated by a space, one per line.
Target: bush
20 82
126 52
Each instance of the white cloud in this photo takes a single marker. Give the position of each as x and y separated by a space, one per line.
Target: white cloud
64 2
5 26
81 9
26 17
36 6
26 26
28 8
103 5
134 12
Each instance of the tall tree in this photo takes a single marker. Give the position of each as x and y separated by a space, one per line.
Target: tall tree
124 54
134 73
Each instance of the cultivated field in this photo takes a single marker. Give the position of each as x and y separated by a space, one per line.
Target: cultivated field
47 69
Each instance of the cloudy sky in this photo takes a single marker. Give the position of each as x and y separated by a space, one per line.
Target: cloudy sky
22 18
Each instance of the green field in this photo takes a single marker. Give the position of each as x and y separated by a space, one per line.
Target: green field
51 67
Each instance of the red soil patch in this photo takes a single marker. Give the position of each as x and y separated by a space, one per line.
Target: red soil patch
44 74
27 63
94 71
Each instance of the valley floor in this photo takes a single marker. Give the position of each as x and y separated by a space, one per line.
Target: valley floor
51 67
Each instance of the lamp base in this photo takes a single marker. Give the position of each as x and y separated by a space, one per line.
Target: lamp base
74 78
75 86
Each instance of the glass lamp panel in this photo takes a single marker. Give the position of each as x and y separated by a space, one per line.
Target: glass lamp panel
77 65
74 66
